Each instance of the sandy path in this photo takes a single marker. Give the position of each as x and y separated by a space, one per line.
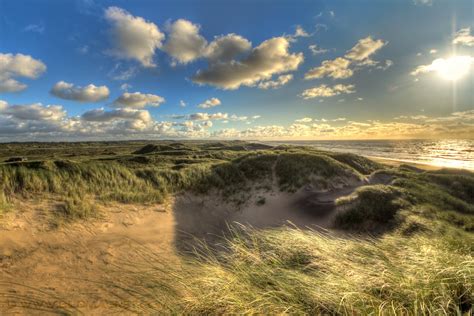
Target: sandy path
43 269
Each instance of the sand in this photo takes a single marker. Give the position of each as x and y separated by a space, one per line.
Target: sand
54 269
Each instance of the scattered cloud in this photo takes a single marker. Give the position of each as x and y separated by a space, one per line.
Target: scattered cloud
89 93
36 28
423 2
125 86
274 84
208 117
130 118
19 65
315 50
337 69
364 49
324 91
464 37
226 48
300 32
304 120
182 103
433 51
210 103
138 100
269 58
340 68
451 68
184 43
121 72
388 63
133 37
33 112
83 49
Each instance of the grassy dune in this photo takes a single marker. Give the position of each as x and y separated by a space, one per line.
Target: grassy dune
403 247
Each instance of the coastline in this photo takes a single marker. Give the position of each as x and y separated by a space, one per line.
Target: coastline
397 163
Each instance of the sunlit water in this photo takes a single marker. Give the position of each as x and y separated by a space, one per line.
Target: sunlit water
440 153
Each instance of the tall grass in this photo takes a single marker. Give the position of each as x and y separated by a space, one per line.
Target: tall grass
291 271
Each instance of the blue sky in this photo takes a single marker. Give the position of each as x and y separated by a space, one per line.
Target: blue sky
380 81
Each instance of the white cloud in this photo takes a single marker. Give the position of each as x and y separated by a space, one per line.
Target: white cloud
325 91
300 32
37 28
225 48
274 84
451 68
122 73
89 93
3 105
130 118
182 103
33 112
340 68
315 50
210 103
433 51
19 65
388 63
269 58
337 69
464 37
423 2
208 117
364 48
304 120
125 86
184 42
138 100
133 37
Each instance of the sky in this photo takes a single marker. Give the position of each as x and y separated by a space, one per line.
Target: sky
276 70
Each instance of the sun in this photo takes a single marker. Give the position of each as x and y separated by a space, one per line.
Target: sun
452 68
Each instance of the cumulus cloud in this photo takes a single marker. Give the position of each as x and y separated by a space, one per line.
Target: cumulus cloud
364 48
448 68
210 103
324 91
269 58
274 84
185 44
225 48
89 93
138 100
130 118
337 69
208 117
19 65
133 37
464 37
33 112
340 68
304 120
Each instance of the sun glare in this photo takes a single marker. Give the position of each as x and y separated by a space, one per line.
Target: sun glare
452 68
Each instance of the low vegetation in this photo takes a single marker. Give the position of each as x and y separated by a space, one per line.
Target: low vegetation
405 244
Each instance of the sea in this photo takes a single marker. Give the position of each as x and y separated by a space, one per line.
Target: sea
438 153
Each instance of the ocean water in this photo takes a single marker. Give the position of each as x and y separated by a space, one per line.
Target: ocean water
440 153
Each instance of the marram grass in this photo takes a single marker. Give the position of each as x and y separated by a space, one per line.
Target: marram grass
292 271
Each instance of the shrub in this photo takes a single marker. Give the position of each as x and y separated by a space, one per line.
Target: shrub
75 207
370 204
